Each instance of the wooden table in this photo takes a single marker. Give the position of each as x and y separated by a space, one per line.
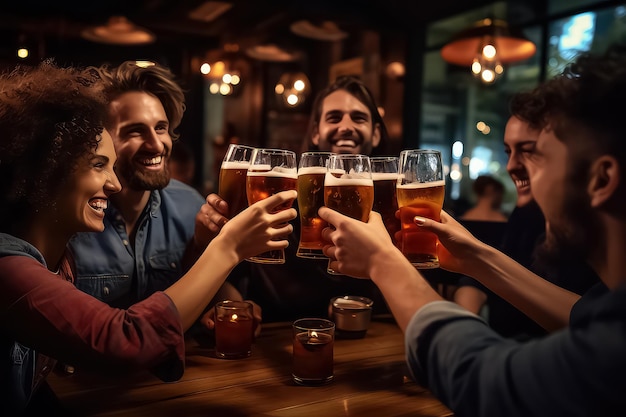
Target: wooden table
370 380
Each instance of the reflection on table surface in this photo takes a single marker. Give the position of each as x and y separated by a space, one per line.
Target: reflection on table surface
370 380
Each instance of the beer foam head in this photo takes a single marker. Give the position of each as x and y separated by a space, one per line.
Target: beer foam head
416 185
311 170
235 165
352 174
381 176
260 170
345 179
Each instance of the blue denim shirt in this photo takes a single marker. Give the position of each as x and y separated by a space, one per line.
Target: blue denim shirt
113 270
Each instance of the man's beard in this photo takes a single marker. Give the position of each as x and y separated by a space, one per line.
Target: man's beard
141 180
575 234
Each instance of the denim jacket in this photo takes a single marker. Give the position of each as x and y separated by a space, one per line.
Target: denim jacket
21 364
120 273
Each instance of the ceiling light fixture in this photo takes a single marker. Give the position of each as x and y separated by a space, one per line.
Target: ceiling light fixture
118 31
325 31
486 47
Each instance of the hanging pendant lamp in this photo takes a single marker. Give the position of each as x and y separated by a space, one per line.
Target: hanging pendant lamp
486 47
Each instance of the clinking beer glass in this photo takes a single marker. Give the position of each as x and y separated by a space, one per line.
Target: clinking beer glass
385 177
311 173
233 172
348 187
421 190
271 171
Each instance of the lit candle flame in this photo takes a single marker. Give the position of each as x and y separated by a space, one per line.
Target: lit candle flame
233 317
313 333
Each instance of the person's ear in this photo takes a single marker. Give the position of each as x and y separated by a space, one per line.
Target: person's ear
376 136
605 180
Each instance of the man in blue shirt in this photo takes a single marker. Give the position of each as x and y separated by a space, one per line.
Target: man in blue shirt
577 173
156 227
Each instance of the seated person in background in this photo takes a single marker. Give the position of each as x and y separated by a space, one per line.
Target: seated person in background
56 177
524 232
155 227
489 193
345 119
577 171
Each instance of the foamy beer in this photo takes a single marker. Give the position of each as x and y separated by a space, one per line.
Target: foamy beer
271 171
421 191
353 197
311 173
348 187
385 177
233 172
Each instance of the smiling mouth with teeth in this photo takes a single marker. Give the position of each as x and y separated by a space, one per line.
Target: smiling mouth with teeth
522 183
98 205
153 161
346 143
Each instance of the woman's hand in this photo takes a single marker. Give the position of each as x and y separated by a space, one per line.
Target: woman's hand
260 228
458 249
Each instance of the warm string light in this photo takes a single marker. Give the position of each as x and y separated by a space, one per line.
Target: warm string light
223 79
292 88
22 51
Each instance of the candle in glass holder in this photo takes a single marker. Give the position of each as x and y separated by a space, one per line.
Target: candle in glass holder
233 329
352 315
313 341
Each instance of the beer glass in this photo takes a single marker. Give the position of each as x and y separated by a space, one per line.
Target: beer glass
421 190
348 187
385 177
233 171
271 171
311 173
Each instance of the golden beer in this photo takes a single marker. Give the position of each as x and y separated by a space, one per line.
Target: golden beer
232 186
262 184
353 197
425 200
310 199
386 201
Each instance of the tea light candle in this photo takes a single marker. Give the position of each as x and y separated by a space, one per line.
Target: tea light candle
352 315
313 351
233 329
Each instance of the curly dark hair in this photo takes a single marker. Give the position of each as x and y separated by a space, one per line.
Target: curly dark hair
358 89
156 80
585 100
49 118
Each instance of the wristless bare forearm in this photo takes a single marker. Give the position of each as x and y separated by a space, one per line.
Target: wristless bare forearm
545 303
403 287
193 292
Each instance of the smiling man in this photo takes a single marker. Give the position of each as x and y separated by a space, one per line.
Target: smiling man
525 230
345 119
577 172
155 227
